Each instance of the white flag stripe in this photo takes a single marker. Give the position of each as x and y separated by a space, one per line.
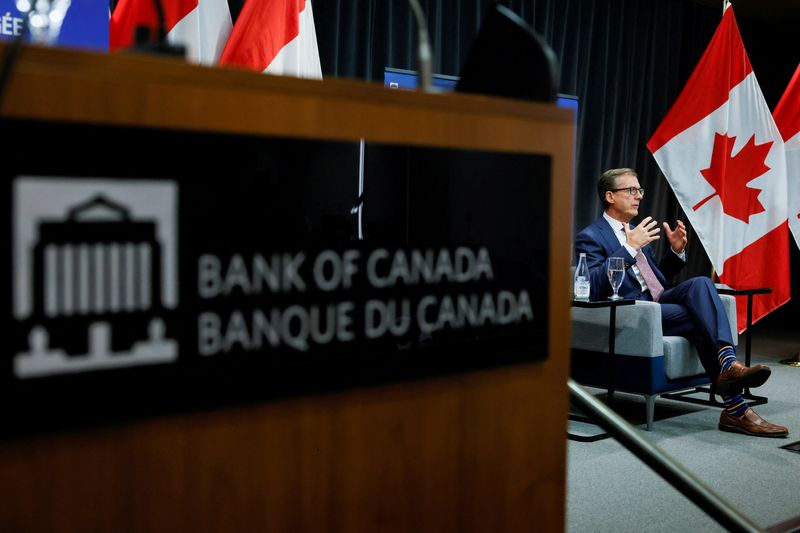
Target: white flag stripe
793 143
300 56
204 31
688 153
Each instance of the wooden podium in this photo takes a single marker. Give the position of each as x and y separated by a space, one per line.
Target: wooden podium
478 450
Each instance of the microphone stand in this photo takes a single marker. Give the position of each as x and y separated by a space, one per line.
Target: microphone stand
424 54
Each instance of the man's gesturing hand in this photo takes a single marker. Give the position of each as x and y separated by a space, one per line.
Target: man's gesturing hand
677 238
643 234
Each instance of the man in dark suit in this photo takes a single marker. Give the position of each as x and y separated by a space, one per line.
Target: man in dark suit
690 309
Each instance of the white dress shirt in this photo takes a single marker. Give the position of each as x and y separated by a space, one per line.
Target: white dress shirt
619 231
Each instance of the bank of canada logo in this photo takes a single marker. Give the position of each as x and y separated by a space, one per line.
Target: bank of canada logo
95 274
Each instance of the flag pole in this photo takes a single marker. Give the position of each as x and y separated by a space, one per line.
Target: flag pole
725 5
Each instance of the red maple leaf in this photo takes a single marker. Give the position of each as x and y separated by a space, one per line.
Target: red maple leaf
730 175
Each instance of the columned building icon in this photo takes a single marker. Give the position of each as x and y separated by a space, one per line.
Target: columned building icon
96 287
98 261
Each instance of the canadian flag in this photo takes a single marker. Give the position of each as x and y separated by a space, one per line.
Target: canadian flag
787 118
203 26
722 154
275 37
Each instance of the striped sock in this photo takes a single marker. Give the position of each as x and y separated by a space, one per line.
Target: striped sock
735 405
726 357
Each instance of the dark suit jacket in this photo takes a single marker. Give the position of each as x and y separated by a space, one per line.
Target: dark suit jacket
599 243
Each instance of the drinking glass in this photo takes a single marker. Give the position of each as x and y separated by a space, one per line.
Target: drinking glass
616 273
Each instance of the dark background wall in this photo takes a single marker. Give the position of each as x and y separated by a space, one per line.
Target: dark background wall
626 60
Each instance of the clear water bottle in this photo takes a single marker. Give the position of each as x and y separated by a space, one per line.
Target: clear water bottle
581 290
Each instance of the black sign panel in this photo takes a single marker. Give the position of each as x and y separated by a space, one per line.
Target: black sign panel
151 271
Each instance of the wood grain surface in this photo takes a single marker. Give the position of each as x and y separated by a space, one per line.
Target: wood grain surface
476 451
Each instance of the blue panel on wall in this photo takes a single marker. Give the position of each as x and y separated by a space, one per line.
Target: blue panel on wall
85 25
407 79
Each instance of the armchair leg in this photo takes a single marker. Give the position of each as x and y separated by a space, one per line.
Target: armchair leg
650 404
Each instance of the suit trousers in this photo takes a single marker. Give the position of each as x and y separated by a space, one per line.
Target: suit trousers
692 309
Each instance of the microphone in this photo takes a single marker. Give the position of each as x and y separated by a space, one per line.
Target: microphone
144 41
162 22
529 73
424 53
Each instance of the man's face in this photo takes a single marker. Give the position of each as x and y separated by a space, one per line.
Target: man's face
624 205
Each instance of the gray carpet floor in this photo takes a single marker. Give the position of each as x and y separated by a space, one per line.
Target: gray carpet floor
609 489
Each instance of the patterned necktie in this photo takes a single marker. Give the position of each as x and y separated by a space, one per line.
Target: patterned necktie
653 285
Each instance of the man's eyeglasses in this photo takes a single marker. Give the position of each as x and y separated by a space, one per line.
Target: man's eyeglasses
632 190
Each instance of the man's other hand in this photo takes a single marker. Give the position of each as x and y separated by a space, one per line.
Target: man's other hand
643 234
677 237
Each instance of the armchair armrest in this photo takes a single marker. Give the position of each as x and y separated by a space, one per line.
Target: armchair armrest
638 329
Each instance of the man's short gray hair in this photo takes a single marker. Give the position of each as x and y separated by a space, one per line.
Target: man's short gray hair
608 182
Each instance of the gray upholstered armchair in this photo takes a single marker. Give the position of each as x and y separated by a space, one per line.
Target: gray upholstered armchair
647 362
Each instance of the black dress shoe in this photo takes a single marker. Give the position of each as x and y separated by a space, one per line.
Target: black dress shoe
751 424
739 376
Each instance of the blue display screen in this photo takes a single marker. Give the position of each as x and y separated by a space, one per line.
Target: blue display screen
407 79
85 24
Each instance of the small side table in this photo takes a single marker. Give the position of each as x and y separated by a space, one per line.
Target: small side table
612 340
749 292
